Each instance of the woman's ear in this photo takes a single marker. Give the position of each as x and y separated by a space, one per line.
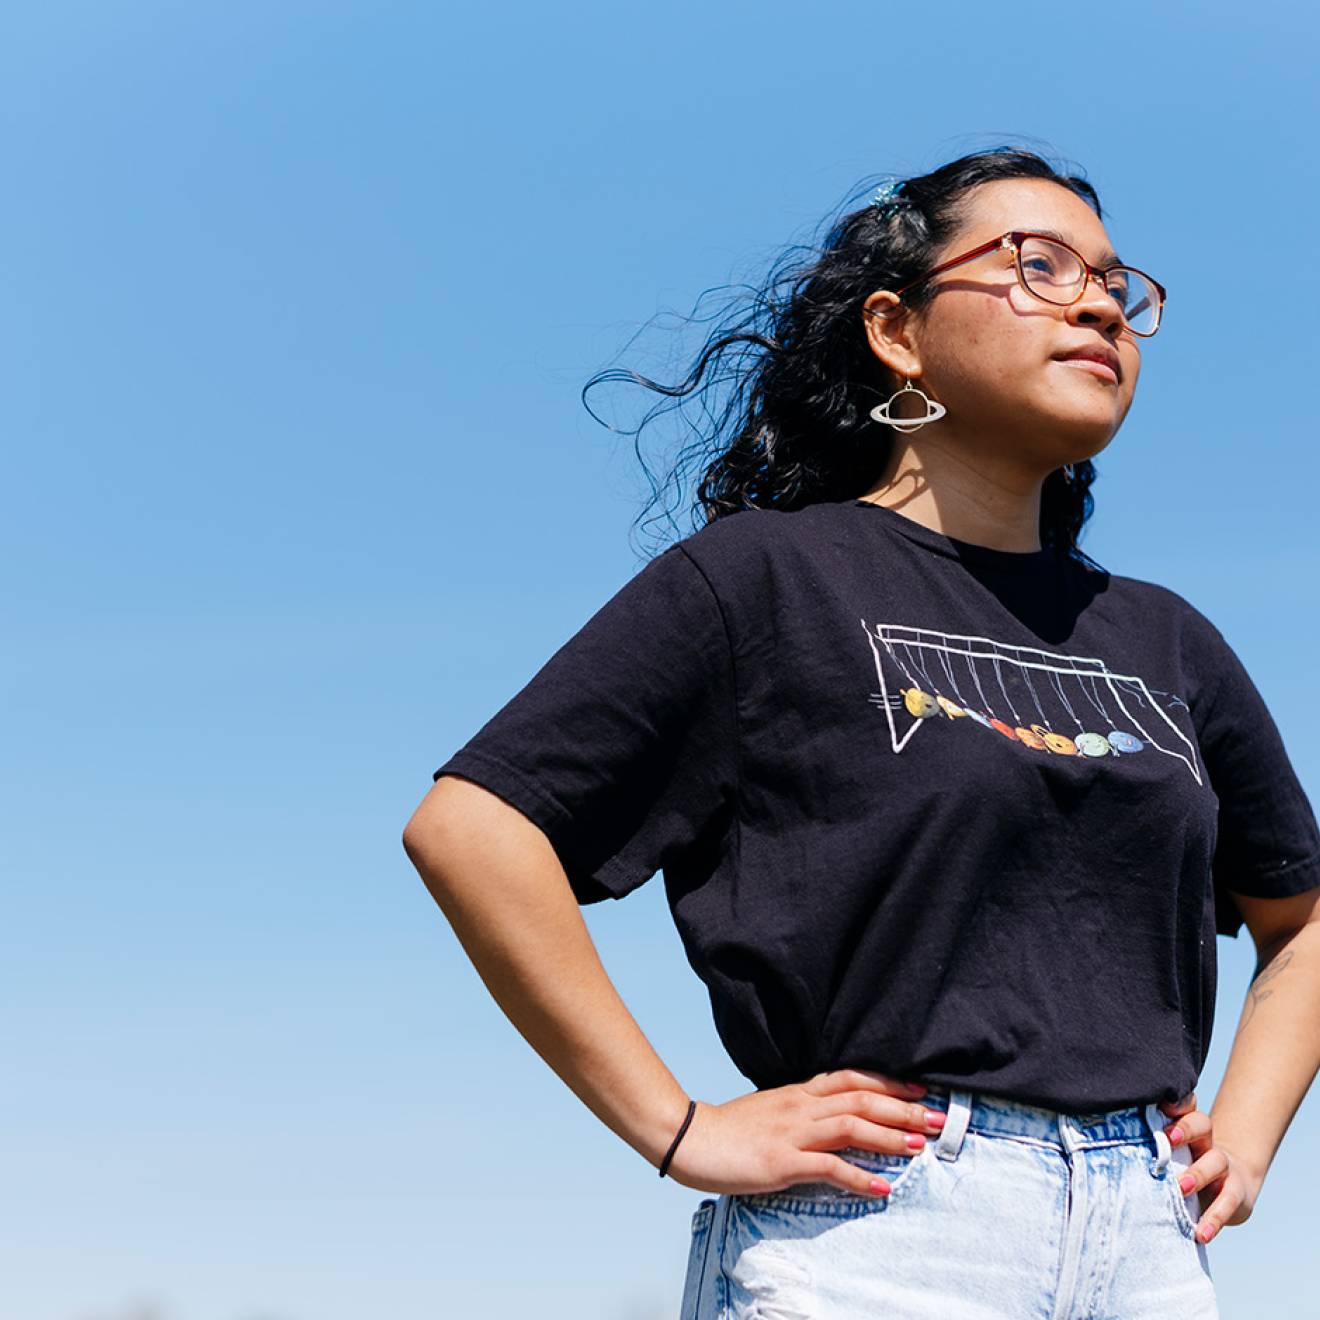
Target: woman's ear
889 333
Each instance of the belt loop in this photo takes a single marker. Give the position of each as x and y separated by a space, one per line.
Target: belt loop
955 1125
1163 1147
1070 1132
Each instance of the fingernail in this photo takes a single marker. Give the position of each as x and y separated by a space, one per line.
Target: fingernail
935 1118
1175 1135
879 1186
916 1140
1210 1231
1186 1183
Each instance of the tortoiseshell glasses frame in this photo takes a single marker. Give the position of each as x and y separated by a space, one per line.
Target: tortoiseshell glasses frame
1013 241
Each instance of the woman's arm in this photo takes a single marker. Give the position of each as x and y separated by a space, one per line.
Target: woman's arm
1276 1051
500 884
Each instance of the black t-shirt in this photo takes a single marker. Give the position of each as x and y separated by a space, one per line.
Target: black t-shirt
957 814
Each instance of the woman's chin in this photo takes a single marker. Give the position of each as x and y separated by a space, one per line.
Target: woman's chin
1088 428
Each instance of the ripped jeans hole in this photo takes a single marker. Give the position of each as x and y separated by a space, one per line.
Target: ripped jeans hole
780 1289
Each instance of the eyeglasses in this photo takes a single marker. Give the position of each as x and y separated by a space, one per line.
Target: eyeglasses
1056 273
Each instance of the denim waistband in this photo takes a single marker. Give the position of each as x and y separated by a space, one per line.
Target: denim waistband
999 1116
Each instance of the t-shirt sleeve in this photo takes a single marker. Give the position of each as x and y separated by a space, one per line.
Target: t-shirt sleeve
622 748
1268 845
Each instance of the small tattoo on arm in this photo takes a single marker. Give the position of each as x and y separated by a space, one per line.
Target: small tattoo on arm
1260 988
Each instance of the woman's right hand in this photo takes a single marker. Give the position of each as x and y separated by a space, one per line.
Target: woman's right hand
768 1140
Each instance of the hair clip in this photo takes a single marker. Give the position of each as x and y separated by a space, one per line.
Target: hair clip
887 196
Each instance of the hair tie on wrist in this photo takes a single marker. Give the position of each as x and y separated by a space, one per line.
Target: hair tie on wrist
673 1145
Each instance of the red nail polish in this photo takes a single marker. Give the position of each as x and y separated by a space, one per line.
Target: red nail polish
1186 1183
916 1140
1175 1135
1210 1231
879 1186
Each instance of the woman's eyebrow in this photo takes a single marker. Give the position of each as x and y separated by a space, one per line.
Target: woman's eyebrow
1107 258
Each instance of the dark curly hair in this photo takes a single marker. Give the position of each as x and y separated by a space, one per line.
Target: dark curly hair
785 381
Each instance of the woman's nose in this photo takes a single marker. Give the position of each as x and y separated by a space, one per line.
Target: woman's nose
1098 304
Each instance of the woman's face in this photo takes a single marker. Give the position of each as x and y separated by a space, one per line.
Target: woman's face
990 352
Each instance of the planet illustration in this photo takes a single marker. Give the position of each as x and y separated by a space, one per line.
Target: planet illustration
919 703
1093 744
1056 742
1125 742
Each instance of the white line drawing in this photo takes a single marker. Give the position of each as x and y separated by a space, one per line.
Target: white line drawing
913 651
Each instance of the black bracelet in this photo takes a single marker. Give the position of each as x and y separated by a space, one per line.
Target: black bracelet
673 1145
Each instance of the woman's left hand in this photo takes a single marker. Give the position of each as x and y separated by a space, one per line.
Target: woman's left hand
1226 1189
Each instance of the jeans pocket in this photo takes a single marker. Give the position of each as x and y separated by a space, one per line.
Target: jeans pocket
901 1172
1186 1208
702 1219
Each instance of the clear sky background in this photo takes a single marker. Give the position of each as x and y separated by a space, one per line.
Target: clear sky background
296 302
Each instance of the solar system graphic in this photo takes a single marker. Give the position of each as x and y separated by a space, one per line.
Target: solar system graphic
1044 702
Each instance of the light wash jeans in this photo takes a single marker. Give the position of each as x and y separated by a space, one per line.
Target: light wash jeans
1011 1213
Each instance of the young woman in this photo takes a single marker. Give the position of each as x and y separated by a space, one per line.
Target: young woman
948 815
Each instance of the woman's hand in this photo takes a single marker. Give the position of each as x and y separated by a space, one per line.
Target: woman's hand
768 1140
1226 1189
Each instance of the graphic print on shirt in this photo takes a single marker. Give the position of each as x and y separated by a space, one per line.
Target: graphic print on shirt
929 675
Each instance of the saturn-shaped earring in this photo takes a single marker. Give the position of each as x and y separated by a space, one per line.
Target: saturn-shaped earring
934 410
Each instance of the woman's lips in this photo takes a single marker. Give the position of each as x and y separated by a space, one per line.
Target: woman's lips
1101 369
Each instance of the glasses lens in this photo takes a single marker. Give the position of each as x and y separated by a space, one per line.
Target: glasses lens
1055 273
1138 297
1052 272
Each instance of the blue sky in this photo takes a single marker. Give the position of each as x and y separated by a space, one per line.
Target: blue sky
297 304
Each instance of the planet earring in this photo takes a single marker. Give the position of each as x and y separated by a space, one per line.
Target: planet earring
934 410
